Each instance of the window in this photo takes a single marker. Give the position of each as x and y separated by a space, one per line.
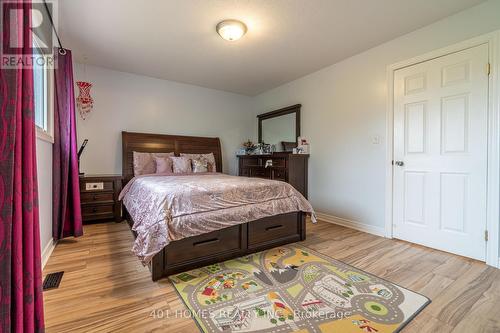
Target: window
42 96
40 92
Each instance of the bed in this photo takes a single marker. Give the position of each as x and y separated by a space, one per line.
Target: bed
258 230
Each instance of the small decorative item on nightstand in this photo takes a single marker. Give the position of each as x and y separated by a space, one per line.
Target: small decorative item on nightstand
99 198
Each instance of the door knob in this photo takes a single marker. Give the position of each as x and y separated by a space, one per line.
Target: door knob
399 163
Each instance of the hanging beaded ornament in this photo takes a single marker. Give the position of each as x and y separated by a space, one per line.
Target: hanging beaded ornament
84 101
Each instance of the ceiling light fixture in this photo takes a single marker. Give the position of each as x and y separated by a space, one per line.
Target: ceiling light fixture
231 30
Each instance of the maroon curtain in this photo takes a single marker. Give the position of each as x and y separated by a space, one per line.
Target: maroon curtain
67 216
21 305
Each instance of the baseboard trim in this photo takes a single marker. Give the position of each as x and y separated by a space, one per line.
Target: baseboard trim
374 230
47 251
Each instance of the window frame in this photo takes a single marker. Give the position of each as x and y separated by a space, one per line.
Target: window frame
47 133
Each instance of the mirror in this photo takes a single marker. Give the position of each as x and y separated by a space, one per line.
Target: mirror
280 127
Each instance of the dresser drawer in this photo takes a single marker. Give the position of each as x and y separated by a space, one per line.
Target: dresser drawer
95 186
87 197
260 172
95 212
279 174
273 228
279 162
244 172
249 162
213 243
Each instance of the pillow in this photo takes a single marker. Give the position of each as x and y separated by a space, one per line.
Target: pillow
200 165
181 164
209 158
144 163
163 164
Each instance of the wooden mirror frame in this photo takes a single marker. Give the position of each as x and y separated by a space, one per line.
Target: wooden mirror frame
280 112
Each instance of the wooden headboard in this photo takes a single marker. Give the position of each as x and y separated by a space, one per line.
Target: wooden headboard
161 143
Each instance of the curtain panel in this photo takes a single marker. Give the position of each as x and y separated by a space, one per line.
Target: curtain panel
21 302
67 216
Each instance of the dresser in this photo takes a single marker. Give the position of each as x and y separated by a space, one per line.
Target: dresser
99 198
287 167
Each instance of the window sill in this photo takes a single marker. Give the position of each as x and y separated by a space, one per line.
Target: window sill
42 135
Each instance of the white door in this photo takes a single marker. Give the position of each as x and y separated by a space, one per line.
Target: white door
440 152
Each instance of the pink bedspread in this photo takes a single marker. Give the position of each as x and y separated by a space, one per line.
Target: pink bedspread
166 208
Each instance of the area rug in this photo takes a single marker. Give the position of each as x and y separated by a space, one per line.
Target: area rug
294 289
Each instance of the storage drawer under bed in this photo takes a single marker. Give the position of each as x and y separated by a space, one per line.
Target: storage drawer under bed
213 243
273 228
218 246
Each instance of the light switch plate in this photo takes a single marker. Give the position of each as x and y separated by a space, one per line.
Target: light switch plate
94 186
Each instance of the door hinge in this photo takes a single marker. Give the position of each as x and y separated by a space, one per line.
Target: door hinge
488 68
486 235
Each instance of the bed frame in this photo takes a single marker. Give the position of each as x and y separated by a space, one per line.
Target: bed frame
219 245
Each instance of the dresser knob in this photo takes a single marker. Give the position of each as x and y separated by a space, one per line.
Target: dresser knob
94 197
94 210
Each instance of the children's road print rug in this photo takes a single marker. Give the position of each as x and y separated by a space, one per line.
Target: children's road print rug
294 289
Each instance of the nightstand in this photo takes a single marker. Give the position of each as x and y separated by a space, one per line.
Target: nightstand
99 198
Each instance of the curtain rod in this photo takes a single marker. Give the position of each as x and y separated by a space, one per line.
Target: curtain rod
62 50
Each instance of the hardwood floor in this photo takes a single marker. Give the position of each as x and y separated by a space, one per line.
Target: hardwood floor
105 288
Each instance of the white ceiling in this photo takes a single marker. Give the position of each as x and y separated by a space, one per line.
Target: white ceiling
286 39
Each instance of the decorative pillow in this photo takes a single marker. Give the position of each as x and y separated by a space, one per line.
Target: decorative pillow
144 163
200 165
181 164
163 164
209 158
